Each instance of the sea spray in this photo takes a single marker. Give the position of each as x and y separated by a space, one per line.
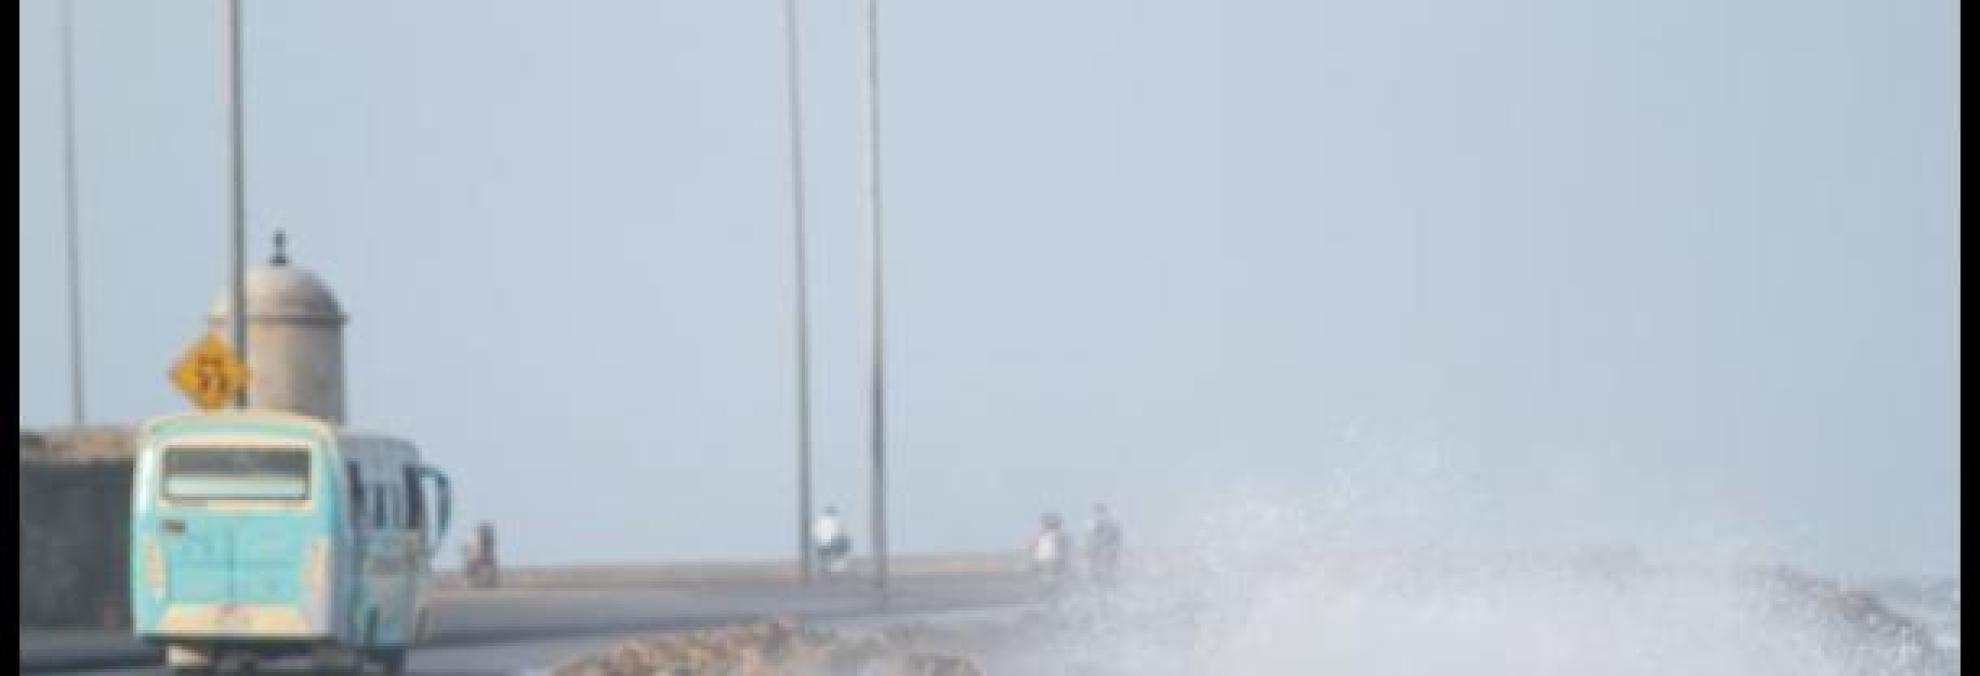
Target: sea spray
1281 585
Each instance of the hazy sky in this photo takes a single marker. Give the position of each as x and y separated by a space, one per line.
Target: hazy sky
1673 274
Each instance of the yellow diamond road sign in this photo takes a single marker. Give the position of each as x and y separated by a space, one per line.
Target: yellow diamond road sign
210 374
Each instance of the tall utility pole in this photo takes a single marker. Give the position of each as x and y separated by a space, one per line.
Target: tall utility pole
236 231
69 208
879 403
794 94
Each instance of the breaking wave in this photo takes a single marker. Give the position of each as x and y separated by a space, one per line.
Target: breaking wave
1273 589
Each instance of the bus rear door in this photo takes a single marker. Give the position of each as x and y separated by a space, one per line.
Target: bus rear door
234 529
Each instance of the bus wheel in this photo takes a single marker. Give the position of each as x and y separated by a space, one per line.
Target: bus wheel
335 660
237 663
187 659
392 660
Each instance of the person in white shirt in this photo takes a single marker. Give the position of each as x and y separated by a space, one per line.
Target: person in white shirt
832 541
1050 549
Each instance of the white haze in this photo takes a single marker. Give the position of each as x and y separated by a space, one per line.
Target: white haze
1675 275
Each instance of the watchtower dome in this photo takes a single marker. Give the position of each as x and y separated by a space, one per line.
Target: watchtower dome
295 333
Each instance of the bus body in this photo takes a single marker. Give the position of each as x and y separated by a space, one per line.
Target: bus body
258 533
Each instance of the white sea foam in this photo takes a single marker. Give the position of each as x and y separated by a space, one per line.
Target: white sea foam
1280 586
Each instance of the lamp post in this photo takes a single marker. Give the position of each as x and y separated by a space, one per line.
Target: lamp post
878 375
236 237
69 208
800 321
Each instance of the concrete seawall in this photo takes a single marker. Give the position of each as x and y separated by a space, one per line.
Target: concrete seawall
695 573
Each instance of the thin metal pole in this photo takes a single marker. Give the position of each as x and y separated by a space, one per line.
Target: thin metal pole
800 321
69 208
879 402
236 236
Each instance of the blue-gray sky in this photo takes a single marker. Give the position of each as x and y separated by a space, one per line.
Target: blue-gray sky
1665 274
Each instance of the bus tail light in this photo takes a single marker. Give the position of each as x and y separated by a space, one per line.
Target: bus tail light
316 568
154 567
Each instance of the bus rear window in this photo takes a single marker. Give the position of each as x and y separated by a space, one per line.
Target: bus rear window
237 473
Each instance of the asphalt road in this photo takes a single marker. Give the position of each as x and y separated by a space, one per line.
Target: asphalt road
495 659
531 631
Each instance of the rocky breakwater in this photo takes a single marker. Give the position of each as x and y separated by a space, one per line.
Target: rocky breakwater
1862 628
784 648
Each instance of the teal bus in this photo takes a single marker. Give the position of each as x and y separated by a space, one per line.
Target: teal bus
259 534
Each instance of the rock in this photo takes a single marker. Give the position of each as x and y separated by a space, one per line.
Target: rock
779 647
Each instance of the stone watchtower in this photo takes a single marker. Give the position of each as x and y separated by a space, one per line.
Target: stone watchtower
295 339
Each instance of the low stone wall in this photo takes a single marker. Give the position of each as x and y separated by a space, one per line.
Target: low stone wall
74 546
605 576
75 487
75 497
